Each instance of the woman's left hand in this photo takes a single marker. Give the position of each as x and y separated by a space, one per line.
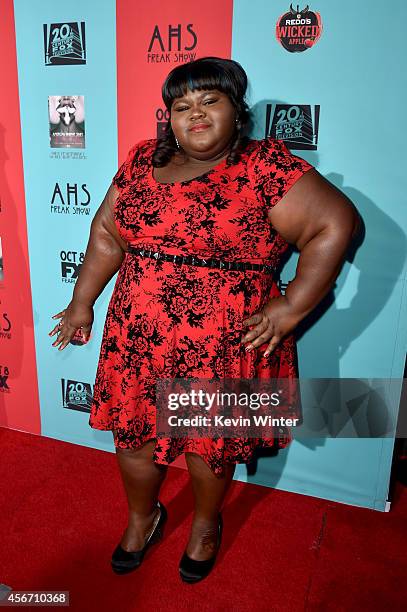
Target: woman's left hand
273 322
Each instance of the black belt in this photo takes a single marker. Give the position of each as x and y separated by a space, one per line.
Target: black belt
191 260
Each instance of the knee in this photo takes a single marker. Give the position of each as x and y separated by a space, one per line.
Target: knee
193 459
145 451
197 466
200 470
125 451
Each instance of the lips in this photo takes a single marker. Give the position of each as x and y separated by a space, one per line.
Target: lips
198 127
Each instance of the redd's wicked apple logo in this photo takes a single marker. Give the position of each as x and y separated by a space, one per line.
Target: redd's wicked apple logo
299 30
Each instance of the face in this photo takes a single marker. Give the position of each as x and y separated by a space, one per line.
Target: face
203 121
66 109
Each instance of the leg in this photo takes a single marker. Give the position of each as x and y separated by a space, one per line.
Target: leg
142 479
209 492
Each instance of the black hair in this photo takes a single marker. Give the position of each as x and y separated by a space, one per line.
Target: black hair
209 72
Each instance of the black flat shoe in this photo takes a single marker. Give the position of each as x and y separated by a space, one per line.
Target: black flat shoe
193 571
124 561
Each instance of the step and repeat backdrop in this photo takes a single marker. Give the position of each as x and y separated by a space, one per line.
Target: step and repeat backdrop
82 84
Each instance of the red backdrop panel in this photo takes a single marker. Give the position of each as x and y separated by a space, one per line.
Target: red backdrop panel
19 402
152 42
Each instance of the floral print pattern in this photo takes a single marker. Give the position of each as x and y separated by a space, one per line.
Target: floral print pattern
167 320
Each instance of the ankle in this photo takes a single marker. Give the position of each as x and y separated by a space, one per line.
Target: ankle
209 521
204 532
143 518
202 544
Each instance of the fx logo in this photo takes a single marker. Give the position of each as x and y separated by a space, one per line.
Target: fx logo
4 374
71 262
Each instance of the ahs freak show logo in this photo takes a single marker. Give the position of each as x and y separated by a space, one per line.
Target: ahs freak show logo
172 44
296 124
64 43
5 325
70 199
299 30
76 395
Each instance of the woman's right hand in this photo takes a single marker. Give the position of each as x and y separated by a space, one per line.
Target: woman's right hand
75 316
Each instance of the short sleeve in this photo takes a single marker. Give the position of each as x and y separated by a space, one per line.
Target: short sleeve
126 171
273 170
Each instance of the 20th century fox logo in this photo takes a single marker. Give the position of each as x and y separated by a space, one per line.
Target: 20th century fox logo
76 395
64 43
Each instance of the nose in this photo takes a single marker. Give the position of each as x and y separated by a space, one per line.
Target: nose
197 111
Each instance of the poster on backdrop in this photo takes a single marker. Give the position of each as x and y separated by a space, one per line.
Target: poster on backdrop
66 122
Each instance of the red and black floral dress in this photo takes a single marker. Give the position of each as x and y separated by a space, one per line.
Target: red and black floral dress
167 320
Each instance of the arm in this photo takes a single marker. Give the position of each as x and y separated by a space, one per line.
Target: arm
321 222
104 253
103 257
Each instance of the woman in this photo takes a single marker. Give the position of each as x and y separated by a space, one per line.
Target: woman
202 190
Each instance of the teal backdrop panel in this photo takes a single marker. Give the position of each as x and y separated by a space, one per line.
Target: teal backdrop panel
363 331
64 187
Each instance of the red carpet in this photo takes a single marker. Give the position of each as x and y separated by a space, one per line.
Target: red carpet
63 510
